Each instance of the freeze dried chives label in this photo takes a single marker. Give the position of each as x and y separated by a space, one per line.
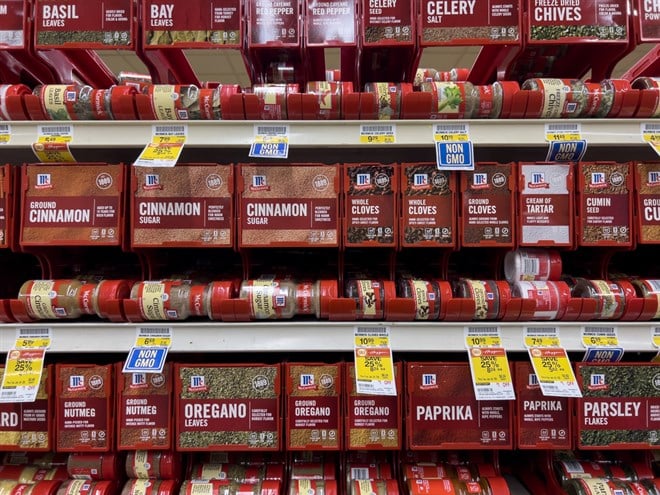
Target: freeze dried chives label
620 405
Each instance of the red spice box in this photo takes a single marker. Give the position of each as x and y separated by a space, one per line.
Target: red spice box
227 407
370 191
28 426
372 422
262 15
313 406
488 205
647 199
542 422
428 206
605 204
292 205
83 413
648 14
144 404
72 205
182 206
443 412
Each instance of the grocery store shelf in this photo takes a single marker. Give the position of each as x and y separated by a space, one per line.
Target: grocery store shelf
316 336
314 134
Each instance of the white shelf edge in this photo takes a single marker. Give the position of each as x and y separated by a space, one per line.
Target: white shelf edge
314 336
314 134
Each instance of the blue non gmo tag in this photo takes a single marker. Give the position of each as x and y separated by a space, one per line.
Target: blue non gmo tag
145 360
457 155
566 151
603 355
269 150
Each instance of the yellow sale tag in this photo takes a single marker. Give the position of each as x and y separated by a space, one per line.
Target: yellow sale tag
372 341
563 136
53 149
652 137
24 368
552 365
541 341
655 336
490 366
374 366
32 343
4 138
5 133
153 342
377 139
600 341
165 147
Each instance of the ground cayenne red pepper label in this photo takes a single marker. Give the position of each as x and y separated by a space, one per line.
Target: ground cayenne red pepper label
647 187
444 413
371 217
605 204
227 407
602 20
429 207
294 205
313 406
26 426
620 406
546 204
72 205
84 405
388 21
192 23
542 422
649 20
145 405
372 421
480 21
273 21
186 205
84 24
12 18
331 22
487 210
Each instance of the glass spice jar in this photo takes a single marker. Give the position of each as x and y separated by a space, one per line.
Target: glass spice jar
369 297
160 300
425 294
277 299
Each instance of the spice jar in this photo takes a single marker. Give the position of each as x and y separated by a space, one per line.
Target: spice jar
425 294
65 102
86 487
274 298
389 96
452 100
94 466
532 264
369 297
551 298
45 487
610 297
648 288
597 486
169 299
374 487
490 297
485 486
462 472
317 487
149 487
562 98
153 464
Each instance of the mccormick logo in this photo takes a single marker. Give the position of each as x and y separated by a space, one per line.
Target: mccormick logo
538 181
421 181
598 180
533 381
197 384
363 181
653 179
429 381
307 382
151 181
139 380
259 183
480 181
76 383
597 382
43 182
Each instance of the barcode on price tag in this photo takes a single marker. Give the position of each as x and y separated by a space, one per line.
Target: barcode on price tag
272 130
563 132
5 133
55 130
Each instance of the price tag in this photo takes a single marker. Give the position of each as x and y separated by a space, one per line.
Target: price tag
541 337
25 365
483 337
165 148
374 367
52 144
5 133
149 353
33 338
377 133
489 365
651 135
453 147
270 141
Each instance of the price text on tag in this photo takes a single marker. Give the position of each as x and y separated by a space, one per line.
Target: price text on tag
52 144
165 147
602 344
5 133
270 141
651 135
374 367
483 337
377 134
563 132
22 376
554 372
489 365
33 338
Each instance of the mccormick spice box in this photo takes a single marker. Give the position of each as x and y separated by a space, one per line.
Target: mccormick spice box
292 205
227 407
428 209
83 418
27 426
264 15
388 23
605 204
620 406
647 197
313 406
72 205
186 205
443 412
330 23
545 204
542 422
648 15
13 29
144 403
370 191
83 24
488 205
372 422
